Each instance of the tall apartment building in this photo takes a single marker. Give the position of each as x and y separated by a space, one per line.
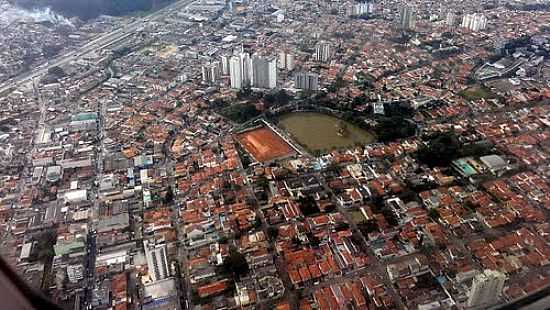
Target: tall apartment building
362 8
285 61
322 52
225 64
246 68
156 260
306 81
486 289
211 72
474 22
235 72
289 62
264 72
256 71
450 19
407 17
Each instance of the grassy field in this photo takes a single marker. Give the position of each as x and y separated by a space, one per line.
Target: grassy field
357 216
478 92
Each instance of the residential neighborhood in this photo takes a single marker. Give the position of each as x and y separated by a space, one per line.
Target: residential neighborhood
279 155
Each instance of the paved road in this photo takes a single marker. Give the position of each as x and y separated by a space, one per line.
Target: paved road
376 267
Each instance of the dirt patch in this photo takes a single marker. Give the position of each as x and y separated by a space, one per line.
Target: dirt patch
264 145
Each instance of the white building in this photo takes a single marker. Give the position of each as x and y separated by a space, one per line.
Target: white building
494 163
264 72
279 16
407 17
362 8
322 52
285 61
306 81
75 273
246 68
378 108
450 19
289 62
76 196
256 71
474 22
211 72
235 73
225 64
281 63
486 289
156 260
26 251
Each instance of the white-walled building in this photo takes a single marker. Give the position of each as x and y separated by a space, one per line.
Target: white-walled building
362 8
450 19
474 22
306 81
407 17
486 289
285 61
157 262
225 64
322 52
264 72
211 72
235 72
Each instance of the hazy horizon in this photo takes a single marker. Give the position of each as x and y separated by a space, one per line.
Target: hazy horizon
88 9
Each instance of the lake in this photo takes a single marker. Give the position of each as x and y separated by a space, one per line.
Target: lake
318 131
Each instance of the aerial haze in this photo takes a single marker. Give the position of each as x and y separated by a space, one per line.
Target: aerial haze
11 13
86 9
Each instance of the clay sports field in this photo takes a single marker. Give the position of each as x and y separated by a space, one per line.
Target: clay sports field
264 145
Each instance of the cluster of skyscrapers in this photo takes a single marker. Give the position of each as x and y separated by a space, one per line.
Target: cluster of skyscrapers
306 81
286 61
474 22
211 72
450 19
362 8
246 71
260 71
322 52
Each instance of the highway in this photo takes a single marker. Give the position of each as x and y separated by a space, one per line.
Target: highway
98 43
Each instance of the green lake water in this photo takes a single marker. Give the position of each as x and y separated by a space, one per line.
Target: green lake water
318 131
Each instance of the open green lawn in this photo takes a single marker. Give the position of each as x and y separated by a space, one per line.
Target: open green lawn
478 92
357 216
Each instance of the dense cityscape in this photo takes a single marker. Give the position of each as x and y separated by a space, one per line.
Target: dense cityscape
223 154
